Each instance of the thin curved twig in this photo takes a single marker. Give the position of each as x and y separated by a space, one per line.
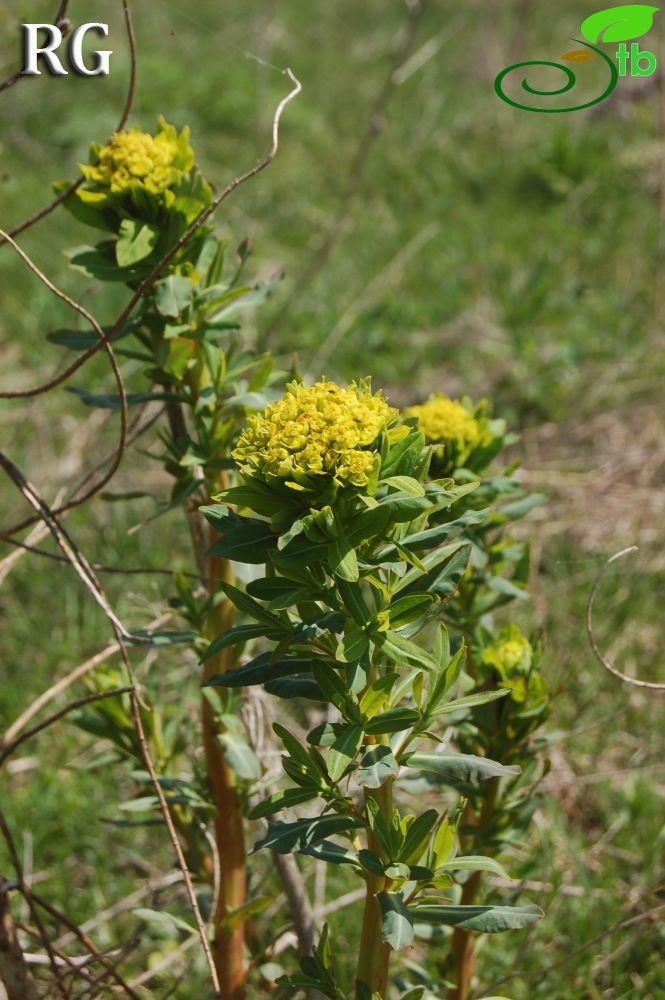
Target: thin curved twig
71 707
61 685
82 311
98 567
636 682
134 431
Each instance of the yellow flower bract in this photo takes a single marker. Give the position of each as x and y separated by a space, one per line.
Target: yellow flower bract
511 654
444 421
324 430
135 158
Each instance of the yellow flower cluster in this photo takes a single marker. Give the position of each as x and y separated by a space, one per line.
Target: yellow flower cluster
445 421
136 159
322 431
511 656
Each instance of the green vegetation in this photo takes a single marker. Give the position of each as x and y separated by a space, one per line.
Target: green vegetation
475 250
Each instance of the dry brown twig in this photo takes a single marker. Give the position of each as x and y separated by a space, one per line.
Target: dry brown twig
604 662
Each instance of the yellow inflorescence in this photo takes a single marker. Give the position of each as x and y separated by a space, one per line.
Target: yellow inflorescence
514 653
134 158
445 421
511 654
319 431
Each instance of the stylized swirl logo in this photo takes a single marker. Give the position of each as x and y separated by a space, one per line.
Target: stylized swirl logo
577 56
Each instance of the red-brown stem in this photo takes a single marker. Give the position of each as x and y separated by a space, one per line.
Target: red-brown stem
374 955
229 937
464 942
464 945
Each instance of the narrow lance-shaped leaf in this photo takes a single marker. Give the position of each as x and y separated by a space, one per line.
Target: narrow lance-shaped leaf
488 919
459 766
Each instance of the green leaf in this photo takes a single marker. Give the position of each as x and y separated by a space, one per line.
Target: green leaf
343 751
371 862
459 766
416 835
405 484
431 537
82 340
111 401
294 748
280 593
376 695
259 670
239 756
445 566
401 651
369 523
295 687
234 636
98 262
286 838
343 559
395 720
354 602
173 295
136 241
163 920
404 507
377 764
380 829
486 919
334 854
408 609
251 607
396 921
474 863
353 646
619 24
282 800
249 542
404 456
256 497
469 701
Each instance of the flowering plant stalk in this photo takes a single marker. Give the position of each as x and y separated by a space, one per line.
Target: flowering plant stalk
382 555
336 505
145 191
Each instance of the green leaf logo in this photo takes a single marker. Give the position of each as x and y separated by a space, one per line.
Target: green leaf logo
619 24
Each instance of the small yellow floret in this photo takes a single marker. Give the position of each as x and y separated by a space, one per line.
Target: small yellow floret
318 431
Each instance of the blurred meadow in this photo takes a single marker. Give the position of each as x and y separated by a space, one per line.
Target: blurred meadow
439 240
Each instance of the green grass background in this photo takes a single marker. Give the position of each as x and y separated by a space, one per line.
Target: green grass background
484 250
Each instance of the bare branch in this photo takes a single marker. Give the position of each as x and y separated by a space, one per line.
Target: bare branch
652 686
72 706
74 675
14 972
